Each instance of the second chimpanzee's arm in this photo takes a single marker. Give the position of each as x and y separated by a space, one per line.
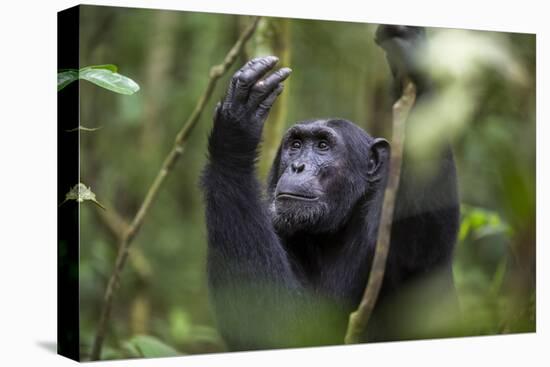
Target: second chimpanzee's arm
418 279
427 207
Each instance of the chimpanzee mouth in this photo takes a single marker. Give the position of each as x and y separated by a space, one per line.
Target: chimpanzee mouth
294 196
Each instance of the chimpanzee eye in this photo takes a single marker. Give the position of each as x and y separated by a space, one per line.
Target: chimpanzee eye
296 144
323 145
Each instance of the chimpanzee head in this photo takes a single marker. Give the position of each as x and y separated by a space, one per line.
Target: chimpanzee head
322 170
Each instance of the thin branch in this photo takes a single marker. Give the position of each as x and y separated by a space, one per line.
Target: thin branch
216 73
359 319
117 227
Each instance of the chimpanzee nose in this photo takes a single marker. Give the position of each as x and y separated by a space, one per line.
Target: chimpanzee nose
297 167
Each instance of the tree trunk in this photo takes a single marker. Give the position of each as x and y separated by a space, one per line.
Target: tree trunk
159 62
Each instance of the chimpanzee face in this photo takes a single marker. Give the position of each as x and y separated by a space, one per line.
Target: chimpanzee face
320 176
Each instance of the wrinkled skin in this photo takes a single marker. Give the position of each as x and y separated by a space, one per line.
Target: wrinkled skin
286 267
315 161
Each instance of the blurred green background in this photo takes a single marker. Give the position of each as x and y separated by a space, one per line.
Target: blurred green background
487 81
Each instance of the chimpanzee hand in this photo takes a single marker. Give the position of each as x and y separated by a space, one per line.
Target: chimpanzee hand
403 46
239 118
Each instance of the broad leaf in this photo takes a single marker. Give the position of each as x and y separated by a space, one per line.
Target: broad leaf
149 346
110 67
105 76
65 78
107 79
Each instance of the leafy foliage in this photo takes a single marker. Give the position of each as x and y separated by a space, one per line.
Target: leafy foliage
480 222
147 346
105 76
65 78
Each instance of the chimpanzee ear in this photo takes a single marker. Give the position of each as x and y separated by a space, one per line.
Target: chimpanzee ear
378 159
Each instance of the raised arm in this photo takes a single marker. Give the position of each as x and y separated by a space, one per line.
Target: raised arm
250 277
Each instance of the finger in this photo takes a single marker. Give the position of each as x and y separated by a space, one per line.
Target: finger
385 33
233 83
250 63
231 89
267 103
217 109
264 87
250 74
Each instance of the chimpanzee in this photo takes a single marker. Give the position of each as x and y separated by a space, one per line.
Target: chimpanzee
287 265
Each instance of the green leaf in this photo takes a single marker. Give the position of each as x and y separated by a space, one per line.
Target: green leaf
81 193
105 76
148 346
65 78
479 222
110 67
110 80
206 334
180 325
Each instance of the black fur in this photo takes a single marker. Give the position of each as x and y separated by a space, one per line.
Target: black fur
286 267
